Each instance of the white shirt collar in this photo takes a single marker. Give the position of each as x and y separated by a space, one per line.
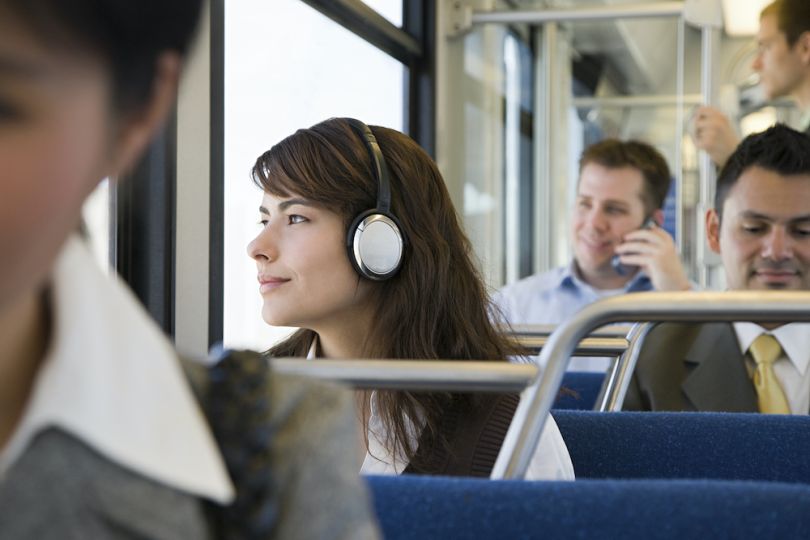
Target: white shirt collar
312 354
793 337
111 379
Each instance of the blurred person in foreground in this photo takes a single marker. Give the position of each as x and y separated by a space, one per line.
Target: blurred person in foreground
101 433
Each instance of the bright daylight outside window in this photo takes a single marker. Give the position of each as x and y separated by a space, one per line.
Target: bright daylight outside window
286 67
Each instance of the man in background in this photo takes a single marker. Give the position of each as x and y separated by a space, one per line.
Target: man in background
619 246
783 65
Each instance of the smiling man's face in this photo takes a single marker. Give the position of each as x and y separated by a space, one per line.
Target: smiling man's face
763 235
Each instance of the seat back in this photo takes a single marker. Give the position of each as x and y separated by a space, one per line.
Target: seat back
579 390
538 399
424 508
732 446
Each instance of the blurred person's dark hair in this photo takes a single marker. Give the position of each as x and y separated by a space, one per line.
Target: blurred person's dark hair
127 35
779 149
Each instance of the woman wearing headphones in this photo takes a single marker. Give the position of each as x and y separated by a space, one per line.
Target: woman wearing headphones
361 248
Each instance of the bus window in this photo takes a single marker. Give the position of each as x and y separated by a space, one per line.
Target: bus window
390 9
287 66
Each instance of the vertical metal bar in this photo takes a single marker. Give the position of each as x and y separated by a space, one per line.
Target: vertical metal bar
679 132
607 384
542 139
707 174
511 184
216 254
625 368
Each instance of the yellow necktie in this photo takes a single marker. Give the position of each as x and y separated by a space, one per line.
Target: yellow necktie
765 350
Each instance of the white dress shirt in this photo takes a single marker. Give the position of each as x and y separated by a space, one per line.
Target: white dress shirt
791 367
111 379
550 461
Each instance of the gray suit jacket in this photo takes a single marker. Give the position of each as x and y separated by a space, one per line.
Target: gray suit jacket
691 367
61 488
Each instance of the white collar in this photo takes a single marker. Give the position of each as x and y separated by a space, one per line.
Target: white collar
793 337
111 379
312 354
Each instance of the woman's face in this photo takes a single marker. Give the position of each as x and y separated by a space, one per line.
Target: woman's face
54 140
59 136
304 273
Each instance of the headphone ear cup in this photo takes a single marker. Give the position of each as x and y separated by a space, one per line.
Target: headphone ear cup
375 245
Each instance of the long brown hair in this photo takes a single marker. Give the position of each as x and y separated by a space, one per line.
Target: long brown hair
436 307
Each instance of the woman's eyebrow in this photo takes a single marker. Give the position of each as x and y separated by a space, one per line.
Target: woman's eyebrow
286 204
290 202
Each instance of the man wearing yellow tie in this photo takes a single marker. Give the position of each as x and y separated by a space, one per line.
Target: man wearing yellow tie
760 226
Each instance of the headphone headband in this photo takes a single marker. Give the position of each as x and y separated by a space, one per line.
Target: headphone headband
378 165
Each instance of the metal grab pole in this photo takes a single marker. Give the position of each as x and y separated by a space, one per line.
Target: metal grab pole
590 13
591 346
637 101
527 425
619 382
427 375
706 168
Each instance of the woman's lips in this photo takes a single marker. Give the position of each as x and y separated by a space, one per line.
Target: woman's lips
270 283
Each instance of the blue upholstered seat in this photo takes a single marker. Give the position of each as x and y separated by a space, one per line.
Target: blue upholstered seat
425 508
733 446
581 390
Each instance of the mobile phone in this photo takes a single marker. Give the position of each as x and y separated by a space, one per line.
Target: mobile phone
616 262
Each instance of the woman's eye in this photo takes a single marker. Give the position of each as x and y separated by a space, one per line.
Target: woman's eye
295 219
263 222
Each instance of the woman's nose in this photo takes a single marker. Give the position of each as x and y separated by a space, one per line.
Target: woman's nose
262 248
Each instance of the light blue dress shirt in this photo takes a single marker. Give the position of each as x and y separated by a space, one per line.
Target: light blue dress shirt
553 297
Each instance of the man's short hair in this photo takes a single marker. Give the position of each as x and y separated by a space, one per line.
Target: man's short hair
792 16
616 154
779 149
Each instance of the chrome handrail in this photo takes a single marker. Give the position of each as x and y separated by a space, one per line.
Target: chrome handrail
614 330
618 380
527 425
590 346
428 375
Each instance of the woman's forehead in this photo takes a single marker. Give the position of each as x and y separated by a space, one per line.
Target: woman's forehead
26 57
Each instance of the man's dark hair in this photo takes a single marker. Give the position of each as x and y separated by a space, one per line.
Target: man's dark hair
792 16
615 154
779 149
128 35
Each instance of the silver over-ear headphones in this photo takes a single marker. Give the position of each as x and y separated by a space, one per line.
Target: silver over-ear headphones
374 240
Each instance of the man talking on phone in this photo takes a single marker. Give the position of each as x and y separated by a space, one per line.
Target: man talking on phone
619 246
